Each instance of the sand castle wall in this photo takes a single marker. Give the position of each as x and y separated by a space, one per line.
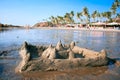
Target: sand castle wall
59 57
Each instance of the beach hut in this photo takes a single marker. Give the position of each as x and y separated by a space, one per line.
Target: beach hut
99 23
113 23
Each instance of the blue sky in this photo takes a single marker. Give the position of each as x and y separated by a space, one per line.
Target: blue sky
22 12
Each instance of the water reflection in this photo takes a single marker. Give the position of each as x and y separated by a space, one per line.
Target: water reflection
3 29
95 40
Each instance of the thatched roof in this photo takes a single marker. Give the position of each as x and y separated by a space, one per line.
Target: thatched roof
99 23
113 23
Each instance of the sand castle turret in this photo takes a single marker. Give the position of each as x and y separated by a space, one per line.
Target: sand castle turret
72 44
49 53
59 46
25 55
103 53
24 52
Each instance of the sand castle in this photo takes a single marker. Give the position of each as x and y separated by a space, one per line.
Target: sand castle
59 57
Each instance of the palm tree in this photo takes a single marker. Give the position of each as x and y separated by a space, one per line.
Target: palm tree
103 16
60 20
79 16
115 6
72 15
117 3
94 15
113 9
56 20
67 18
107 15
118 15
86 13
52 19
98 16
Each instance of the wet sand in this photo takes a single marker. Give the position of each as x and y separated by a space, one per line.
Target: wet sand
9 62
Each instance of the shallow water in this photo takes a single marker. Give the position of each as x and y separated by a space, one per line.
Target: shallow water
11 40
96 40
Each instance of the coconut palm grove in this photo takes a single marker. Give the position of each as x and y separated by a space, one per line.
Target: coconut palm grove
84 17
44 16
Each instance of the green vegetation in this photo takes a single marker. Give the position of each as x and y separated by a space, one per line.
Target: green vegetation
8 26
85 17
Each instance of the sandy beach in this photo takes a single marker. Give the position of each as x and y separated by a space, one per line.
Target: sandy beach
12 58
84 29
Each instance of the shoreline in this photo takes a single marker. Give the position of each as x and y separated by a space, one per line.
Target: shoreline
83 29
65 28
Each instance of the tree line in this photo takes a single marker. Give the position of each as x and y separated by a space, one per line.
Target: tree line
85 17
